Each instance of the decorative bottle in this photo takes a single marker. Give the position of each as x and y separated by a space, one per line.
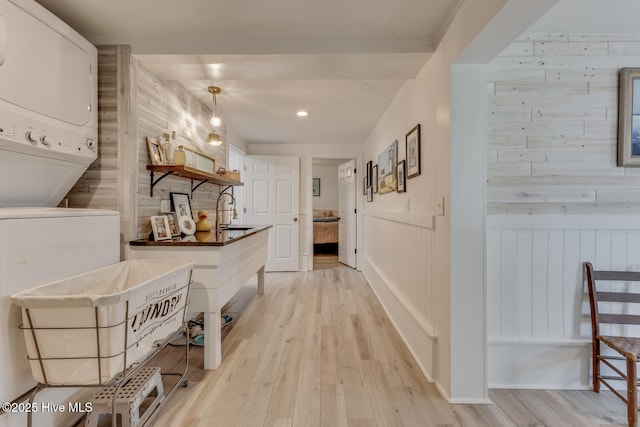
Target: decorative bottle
179 156
167 150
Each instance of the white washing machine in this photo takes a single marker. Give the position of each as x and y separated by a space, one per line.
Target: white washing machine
48 139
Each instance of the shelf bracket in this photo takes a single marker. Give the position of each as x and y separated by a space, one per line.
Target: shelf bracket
196 187
153 183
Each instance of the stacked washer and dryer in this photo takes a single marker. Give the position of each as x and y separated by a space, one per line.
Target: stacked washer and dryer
48 138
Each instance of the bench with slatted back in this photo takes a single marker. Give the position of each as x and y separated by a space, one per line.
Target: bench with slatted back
627 347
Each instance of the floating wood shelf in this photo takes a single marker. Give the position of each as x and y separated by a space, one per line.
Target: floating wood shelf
189 173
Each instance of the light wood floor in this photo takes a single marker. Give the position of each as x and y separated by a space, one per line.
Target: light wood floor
318 350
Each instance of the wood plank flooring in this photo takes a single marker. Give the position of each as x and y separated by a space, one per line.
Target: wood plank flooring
318 350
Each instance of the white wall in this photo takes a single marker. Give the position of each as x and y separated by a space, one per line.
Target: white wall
307 152
328 174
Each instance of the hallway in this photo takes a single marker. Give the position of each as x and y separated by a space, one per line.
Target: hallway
318 350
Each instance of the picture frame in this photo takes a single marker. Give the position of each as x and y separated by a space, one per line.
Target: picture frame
160 227
181 205
316 187
364 186
402 177
155 153
173 223
629 117
387 169
369 194
412 143
374 175
369 173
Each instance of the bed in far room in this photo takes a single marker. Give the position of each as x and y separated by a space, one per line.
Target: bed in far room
325 231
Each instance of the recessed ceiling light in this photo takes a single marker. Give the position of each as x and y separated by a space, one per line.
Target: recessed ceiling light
302 113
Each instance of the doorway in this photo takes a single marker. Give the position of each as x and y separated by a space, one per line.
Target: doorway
334 214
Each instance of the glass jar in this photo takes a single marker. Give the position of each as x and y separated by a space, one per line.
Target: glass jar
179 156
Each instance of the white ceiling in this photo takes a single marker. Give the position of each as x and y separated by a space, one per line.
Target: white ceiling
342 61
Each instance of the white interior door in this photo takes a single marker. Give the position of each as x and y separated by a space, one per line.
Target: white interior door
272 188
347 213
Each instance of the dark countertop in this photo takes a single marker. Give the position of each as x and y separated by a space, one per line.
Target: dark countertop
207 238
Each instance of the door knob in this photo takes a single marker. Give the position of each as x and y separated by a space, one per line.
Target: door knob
295 219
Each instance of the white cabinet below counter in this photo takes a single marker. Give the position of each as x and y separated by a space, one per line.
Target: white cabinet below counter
223 266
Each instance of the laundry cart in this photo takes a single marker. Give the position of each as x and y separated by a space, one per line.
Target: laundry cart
98 329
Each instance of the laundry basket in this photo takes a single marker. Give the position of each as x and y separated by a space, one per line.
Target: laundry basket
87 328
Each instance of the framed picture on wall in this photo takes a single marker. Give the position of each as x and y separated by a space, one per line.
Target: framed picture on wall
388 162
374 177
369 194
402 181
412 141
629 117
369 173
316 187
364 186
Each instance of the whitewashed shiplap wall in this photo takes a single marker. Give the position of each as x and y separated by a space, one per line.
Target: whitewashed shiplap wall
404 284
164 106
552 123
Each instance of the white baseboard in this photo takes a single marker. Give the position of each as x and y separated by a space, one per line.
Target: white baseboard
543 363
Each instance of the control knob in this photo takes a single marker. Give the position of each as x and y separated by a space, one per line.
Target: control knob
43 140
91 143
29 137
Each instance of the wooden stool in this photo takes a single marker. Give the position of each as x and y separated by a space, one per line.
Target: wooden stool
130 397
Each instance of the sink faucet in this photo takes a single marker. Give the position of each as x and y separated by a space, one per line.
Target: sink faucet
235 212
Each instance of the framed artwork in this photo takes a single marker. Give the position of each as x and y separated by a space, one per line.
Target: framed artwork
629 118
369 194
173 223
402 180
316 187
387 164
160 227
413 152
364 186
181 205
375 178
369 173
155 153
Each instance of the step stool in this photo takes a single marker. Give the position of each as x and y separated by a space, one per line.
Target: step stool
130 397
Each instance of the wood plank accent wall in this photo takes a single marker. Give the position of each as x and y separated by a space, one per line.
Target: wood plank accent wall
164 107
108 183
552 124
134 103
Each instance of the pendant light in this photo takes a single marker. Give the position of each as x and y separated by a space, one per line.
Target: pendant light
215 120
214 137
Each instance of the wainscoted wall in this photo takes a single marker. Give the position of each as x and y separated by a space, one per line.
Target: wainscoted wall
404 284
552 124
537 305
